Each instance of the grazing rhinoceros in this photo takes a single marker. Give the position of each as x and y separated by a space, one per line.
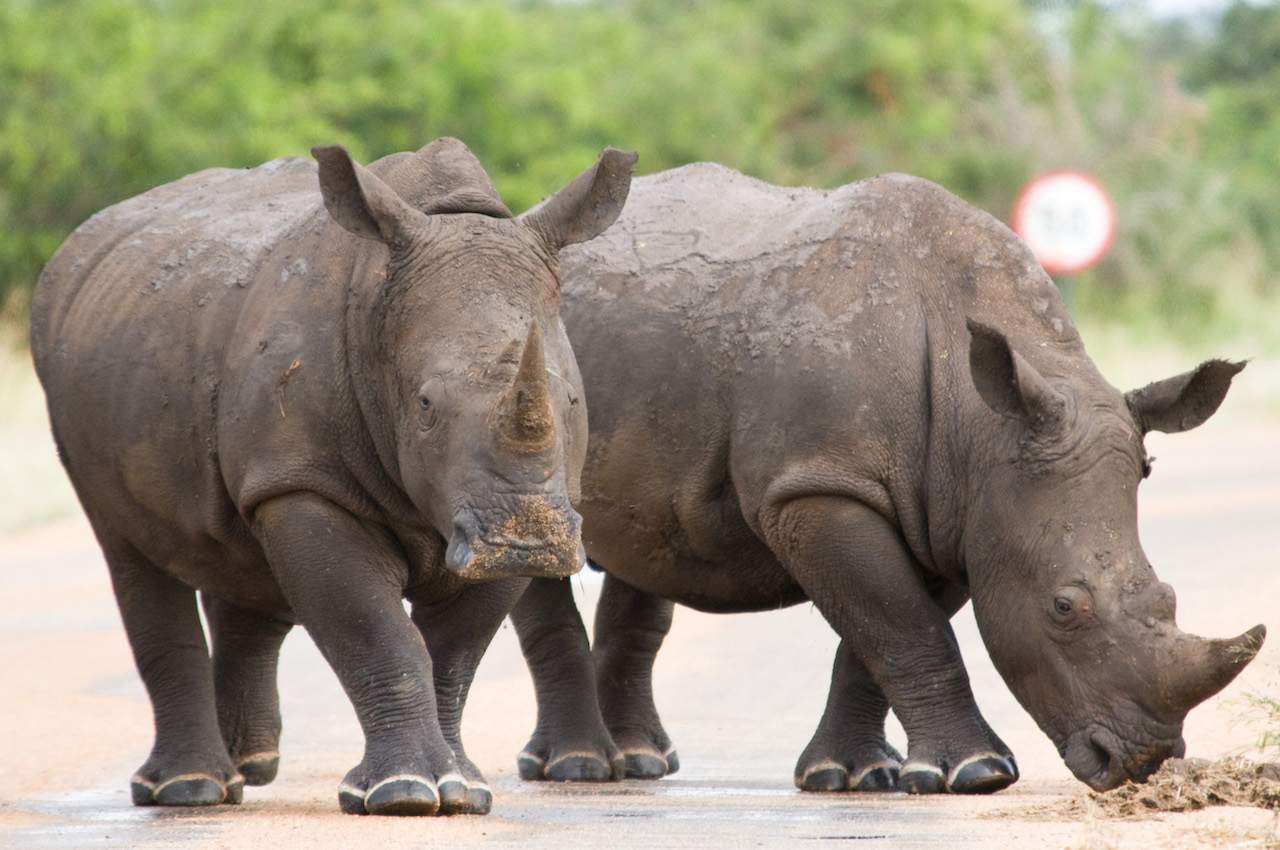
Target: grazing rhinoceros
308 415
871 398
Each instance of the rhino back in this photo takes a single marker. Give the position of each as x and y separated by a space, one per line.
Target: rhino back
160 331
742 342
161 252
805 266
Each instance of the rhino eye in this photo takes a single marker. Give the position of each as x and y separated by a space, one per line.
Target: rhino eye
1072 608
426 413
1147 463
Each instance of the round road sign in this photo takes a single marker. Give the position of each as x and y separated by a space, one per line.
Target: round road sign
1067 220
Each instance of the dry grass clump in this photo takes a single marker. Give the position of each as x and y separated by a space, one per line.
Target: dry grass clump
1184 785
1267 709
1180 785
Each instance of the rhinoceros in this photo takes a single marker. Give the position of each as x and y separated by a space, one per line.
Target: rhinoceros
309 401
871 398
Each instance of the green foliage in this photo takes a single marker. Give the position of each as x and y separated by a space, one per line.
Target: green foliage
1238 75
1267 709
101 99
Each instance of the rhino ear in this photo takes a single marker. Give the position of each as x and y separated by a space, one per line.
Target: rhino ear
358 200
586 207
1184 401
1007 383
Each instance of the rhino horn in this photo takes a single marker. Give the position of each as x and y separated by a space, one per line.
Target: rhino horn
527 418
1200 668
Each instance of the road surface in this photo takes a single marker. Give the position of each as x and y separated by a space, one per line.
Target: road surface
740 696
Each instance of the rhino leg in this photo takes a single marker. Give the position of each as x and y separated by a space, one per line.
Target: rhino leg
188 765
848 751
319 553
854 566
246 649
629 630
570 742
457 633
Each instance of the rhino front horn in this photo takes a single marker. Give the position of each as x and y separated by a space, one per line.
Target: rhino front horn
1202 667
527 418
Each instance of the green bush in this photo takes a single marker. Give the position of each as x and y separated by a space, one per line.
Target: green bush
101 99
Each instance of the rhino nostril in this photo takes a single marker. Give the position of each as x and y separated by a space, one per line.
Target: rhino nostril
1094 756
1101 752
459 551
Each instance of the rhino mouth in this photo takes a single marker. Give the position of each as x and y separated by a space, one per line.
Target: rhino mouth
1099 759
484 561
506 541
536 540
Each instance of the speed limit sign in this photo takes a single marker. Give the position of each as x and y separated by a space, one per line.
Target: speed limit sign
1067 220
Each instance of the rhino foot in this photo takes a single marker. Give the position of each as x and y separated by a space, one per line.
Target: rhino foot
478 799
259 768
575 764
647 753
412 794
982 773
402 794
872 766
650 764
574 748
878 776
183 782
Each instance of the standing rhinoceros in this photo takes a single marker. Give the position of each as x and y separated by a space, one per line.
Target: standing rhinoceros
871 398
308 415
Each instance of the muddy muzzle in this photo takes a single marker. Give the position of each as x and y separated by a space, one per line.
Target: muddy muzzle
537 540
1099 759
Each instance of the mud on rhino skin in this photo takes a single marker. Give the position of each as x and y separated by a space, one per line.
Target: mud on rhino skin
872 398
307 393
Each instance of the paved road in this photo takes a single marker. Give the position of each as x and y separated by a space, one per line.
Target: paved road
740 695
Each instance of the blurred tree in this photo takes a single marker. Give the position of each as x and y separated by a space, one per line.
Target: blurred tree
1238 74
101 99
1120 113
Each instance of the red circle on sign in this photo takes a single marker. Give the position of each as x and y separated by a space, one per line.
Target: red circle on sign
1067 220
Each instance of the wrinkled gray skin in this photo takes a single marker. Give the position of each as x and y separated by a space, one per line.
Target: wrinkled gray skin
308 400
871 398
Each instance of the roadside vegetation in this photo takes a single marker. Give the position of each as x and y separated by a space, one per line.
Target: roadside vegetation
1266 708
101 99
37 490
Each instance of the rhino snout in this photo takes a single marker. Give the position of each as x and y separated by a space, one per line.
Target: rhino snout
534 539
1101 760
